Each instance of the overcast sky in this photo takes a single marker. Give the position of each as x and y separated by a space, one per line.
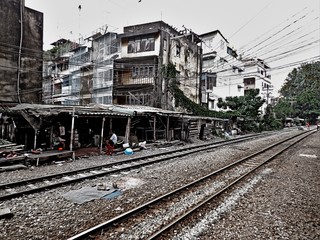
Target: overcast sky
280 31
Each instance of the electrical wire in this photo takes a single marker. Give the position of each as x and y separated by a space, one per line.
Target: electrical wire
19 58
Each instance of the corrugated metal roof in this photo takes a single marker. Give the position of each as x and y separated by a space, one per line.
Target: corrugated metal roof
139 110
100 110
91 109
49 109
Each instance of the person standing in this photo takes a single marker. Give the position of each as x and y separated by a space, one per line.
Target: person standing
111 143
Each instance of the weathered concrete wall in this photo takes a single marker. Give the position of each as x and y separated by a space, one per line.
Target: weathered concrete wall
187 63
30 80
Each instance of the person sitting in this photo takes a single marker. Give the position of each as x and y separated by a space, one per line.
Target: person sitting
109 147
59 143
62 142
12 154
114 138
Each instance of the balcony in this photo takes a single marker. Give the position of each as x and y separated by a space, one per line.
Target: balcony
209 56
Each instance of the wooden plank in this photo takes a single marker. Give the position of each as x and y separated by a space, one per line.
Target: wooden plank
50 154
12 167
7 145
14 159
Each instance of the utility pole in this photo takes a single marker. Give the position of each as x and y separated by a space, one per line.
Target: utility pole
269 87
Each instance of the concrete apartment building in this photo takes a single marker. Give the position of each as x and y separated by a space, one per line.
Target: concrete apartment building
21 54
81 73
57 75
225 74
106 48
257 76
123 69
145 49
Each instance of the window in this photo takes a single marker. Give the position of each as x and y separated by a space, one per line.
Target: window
75 85
107 100
135 72
143 72
131 47
65 82
149 44
249 81
221 44
141 44
165 44
178 50
142 99
211 82
138 45
151 73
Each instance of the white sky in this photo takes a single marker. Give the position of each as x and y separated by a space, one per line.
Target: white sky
262 28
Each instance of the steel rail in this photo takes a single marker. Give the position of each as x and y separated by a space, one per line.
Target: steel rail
178 153
125 215
221 191
108 165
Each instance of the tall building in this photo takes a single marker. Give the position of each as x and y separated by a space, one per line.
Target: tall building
106 48
224 74
257 76
21 56
145 50
57 75
220 71
125 68
80 74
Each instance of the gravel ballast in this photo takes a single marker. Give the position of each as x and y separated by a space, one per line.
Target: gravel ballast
284 204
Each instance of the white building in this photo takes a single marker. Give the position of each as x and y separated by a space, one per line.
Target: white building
224 74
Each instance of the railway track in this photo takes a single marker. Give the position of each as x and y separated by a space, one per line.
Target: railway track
30 186
156 218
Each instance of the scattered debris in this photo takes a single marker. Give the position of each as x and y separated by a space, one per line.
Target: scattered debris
102 187
86 194
308 155
5 213
128 151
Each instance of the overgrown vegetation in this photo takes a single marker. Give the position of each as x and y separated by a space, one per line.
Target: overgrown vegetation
246 107
301 93
170 75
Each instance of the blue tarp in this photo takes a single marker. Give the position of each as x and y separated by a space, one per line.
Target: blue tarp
87 194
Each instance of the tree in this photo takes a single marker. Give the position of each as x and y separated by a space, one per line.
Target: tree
247 105
301 89
284 109
269 122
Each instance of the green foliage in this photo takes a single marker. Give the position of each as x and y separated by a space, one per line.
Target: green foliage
301 89
284 109
170 75
269 122
247 105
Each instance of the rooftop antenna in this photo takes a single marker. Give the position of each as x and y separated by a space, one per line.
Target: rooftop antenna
79 20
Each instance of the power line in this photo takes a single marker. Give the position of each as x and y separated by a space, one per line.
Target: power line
251 19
